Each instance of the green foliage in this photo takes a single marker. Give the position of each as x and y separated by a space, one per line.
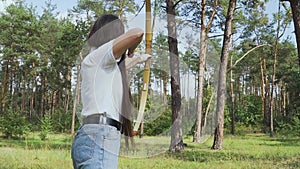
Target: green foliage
46 126
191 59
97 8
13 125
39 54
289 126
248 115
249 111
61 120
227 119
160 124
241 129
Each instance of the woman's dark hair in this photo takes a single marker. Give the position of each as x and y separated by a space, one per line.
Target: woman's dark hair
106 28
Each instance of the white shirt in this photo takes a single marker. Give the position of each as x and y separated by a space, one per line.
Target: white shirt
101 86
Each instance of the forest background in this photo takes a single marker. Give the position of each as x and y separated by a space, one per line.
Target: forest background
40 49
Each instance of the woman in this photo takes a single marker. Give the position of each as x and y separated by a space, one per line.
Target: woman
105 94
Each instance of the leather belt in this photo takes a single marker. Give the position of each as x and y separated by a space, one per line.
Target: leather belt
102 119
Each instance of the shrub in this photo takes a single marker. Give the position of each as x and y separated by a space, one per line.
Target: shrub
61 120
12 124
248 115
46 127
288 126
160 124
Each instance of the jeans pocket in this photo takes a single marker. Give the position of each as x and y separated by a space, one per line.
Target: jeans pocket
83 147
112 141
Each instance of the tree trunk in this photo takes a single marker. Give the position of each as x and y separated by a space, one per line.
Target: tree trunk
283 99
68 89
273 76
201 65
188 93
77 96
218 137
232 96
165 81
295 5
267 88
14 85
202 59
206 113
262 86
42 97
24 93
5 79
176 131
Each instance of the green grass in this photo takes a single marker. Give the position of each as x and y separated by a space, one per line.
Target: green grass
250 151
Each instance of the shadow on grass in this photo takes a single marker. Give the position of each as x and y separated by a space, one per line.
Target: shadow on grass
207 156
250 148
287 142
264 139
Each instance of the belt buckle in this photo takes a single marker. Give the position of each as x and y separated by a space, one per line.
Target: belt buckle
102 118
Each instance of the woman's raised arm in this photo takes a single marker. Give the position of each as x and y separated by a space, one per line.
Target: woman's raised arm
128 41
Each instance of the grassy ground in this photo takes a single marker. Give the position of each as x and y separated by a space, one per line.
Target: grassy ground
250 151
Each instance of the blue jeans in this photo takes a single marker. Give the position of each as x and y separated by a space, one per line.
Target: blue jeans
96 146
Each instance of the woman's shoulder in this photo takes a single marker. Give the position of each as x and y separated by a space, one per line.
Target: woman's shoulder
101 54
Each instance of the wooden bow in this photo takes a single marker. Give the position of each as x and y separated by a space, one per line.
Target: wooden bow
146 75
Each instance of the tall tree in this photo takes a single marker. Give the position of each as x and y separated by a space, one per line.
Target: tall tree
176 131
232 91
64 63
279 33
91 8
219 131
256 31
18 38
81 30
205 29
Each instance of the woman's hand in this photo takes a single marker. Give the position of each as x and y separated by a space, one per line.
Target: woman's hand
130 53
144 57
135 59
